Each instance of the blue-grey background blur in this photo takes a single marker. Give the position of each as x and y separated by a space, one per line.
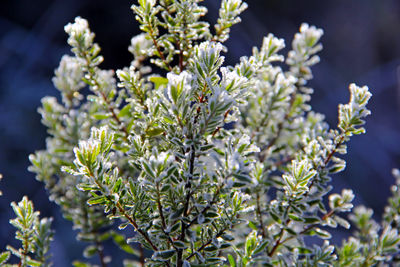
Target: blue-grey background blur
361 44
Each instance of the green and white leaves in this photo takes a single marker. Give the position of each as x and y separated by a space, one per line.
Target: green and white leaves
88 152
352 114
228 16
300 173
305 45
35 235
159 151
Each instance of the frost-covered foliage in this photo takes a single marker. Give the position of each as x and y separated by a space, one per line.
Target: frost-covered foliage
211 165
35 235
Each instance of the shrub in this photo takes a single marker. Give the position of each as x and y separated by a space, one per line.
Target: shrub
211 165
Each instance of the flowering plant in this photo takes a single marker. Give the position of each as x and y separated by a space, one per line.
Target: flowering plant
211 165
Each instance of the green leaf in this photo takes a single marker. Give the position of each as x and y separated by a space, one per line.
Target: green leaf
231 260
290 231
227 237
97 200
87 187
158 81
152 131
120 240
243 178
239 184
168 120
210 248
338 167
80 264
311 220
179 244
174 93
261 247
34 263
117 185
211 214
275 217
101 116
165 254
295 217
252 225
177 214
225 246
148 170
90 251
344 223
249 245
214 260
304 250
175 227
124 111
4 256
322 233
123 225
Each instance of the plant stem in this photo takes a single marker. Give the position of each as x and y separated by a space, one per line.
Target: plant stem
259 214
141 255
221 232
179 261
134 224
102 94
100 252
308 228
153 38
328 158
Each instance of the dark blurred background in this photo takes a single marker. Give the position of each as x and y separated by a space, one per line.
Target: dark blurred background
361 44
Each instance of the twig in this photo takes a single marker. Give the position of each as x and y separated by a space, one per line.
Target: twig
141 255
126 215
159 206
207 207
179 261
134 224
100 253
163 223
334 150
308 228
159 49
96 83
207 243
258 210
326 161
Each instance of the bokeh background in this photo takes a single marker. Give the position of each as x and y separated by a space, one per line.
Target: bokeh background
361 44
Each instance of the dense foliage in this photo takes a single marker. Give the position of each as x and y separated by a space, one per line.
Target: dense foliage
211 165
